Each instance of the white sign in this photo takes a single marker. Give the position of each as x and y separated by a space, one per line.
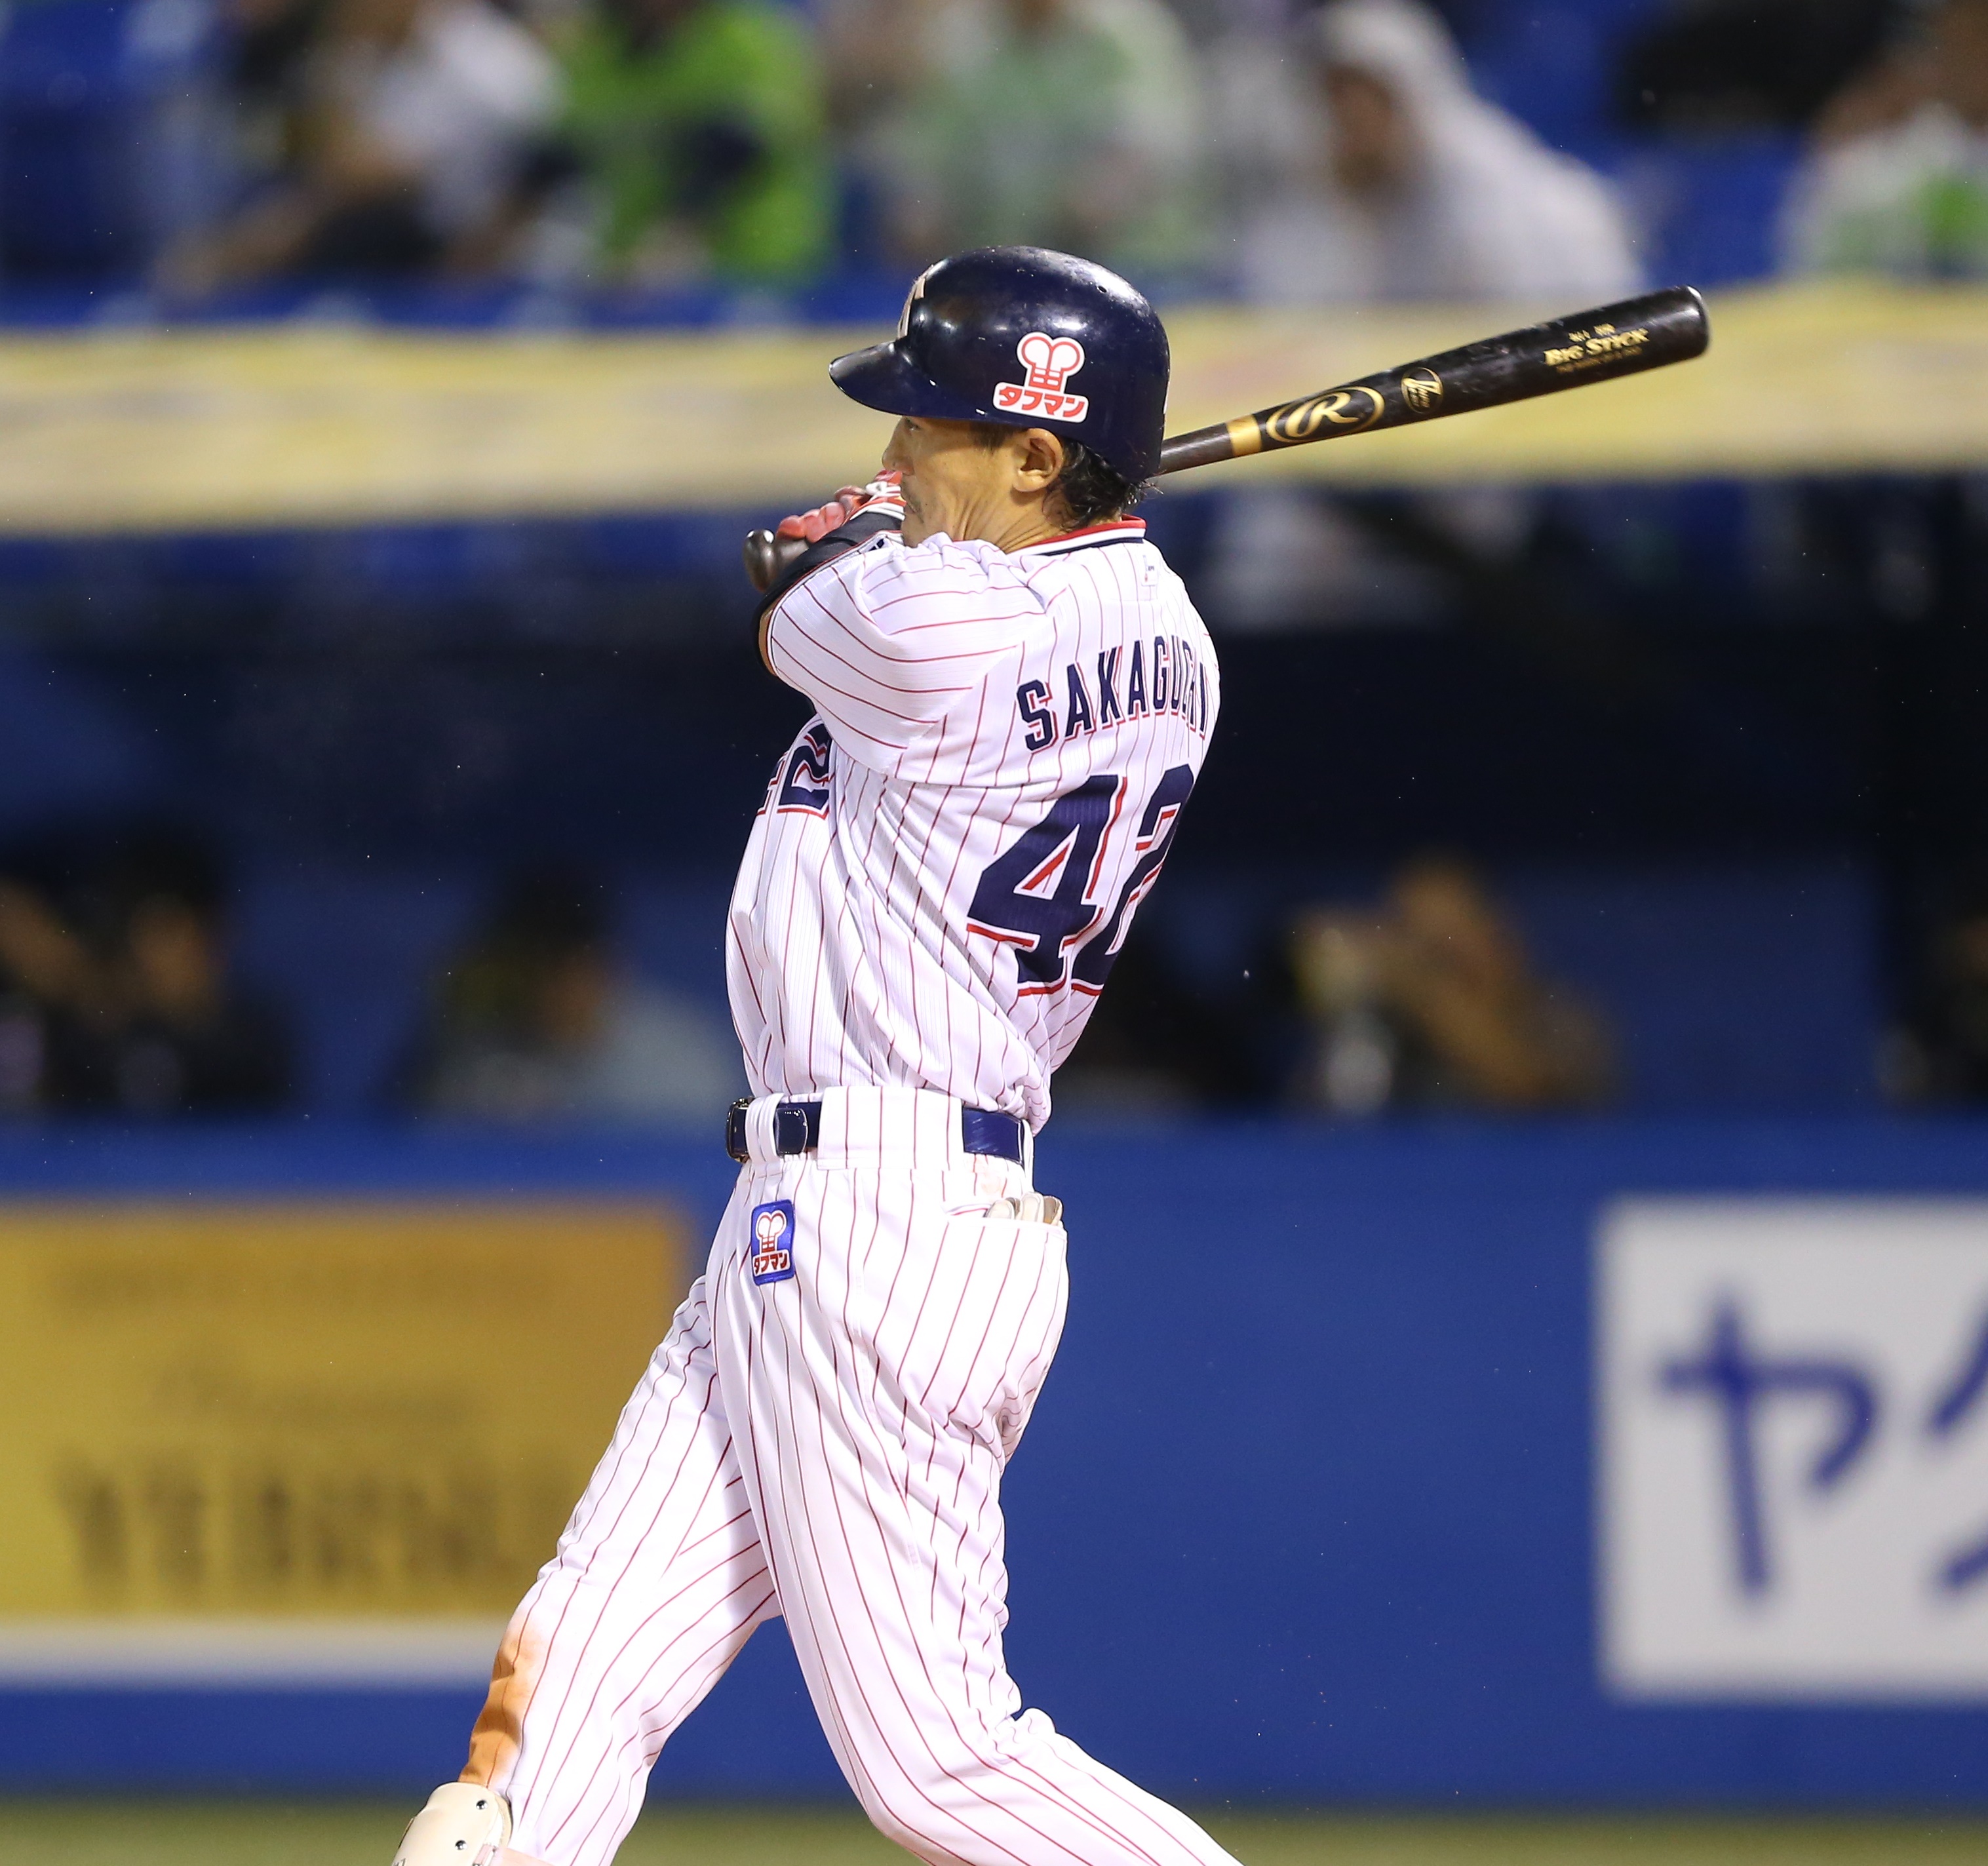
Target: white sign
1792 1448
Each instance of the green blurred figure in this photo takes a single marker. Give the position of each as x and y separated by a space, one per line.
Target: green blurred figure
700 124
1071 123
1900 185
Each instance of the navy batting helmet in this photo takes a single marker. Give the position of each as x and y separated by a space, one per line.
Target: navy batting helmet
1031 338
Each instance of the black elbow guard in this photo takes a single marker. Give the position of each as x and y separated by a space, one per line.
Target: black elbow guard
853 536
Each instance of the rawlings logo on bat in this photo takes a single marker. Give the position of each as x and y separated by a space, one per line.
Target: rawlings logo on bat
1297 421
1048 362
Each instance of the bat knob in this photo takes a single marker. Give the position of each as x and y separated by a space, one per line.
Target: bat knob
767 555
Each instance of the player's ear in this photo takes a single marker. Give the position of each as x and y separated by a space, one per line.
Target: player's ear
1038 458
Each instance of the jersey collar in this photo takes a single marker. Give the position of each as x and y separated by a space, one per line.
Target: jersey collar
1114 531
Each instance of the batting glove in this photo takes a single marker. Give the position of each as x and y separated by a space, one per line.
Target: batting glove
881 498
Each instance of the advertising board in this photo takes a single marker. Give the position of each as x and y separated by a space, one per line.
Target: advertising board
1793 1449
332 1440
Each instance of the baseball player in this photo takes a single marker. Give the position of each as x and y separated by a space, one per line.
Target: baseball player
1012 697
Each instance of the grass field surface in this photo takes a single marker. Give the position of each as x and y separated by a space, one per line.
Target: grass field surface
275 1833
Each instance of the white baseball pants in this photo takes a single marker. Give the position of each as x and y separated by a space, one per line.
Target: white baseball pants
825 1446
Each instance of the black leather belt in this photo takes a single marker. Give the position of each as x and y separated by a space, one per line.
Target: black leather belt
797 1129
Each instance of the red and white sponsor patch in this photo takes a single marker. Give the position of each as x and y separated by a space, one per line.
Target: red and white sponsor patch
1048 363
773 1256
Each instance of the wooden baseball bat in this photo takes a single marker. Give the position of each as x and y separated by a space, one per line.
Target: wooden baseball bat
1644 333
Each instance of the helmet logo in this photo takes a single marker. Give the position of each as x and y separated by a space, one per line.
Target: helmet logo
911 297
1047 363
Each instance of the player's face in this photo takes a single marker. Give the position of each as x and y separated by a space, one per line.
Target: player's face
954 483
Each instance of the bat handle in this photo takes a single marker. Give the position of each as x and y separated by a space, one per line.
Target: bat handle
767 555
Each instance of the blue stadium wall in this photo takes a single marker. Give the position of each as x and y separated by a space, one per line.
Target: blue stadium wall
1305 1516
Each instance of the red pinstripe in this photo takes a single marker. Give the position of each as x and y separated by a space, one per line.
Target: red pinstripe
631 1779
853 1434
869 1464
978 616
800 1496
658 1615
959 1728
842 1525
618 1455
931 781
879 685
559 1713
992 1630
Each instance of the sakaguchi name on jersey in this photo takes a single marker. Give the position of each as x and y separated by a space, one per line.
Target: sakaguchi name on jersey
1169 680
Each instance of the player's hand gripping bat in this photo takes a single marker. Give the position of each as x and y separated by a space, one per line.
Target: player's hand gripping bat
1598 346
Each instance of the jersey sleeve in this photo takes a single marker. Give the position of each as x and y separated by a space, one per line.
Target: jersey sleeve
888 639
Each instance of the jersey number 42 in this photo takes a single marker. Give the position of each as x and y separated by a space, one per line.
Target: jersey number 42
1040 894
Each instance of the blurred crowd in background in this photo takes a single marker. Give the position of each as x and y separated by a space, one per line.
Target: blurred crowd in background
121 995
117 997
1278 152
1291 154
1285 152
114 990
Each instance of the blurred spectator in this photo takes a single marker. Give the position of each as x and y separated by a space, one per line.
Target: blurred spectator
1390 179
1941 1054
416 119
534 1019
1365 168
270 44
1707 67
117 997
1907 197
1432 1001
1266 129
38 958
879 55
697 129
1070 123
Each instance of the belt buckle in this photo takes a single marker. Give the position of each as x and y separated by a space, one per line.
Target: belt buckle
735 1131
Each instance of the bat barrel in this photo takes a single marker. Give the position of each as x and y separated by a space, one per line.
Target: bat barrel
1619 340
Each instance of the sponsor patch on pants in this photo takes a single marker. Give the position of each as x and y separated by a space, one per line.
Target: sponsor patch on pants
772 1257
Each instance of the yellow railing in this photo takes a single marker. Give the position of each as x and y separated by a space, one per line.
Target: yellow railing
273 426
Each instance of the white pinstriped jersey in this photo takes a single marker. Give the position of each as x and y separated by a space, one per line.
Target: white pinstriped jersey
952 851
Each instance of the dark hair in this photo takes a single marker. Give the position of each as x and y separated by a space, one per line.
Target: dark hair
1088 490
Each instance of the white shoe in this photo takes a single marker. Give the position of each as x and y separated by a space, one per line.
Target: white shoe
463 1825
